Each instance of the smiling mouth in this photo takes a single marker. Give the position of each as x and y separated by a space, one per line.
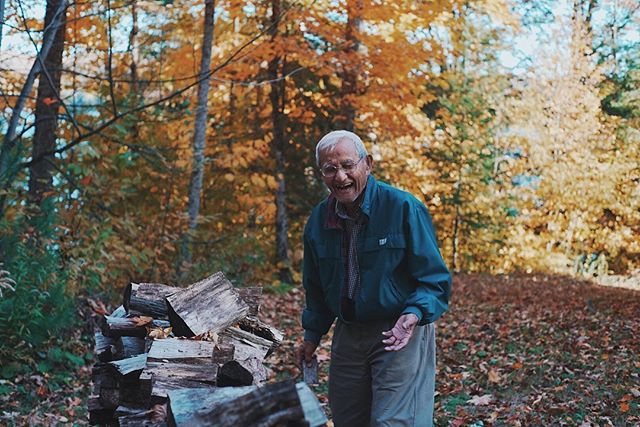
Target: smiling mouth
344 187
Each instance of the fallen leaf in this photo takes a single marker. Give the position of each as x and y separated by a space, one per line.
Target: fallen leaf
480 400
49 101
517 365
159 333
494 376
97 306
635 392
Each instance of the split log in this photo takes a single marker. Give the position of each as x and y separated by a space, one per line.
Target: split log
135 393
245 372
119 312
148 299
105 347
148 418
206 306
257 327
103 376
271 405
129 370
169 376
186 406
253 297
189 351
233 374
116 327
313 412
130 346
246 344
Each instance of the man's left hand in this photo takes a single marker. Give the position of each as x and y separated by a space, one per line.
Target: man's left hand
399 336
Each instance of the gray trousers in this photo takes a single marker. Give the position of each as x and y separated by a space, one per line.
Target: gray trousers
369 386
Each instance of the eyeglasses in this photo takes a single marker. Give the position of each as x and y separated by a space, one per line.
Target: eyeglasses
329 171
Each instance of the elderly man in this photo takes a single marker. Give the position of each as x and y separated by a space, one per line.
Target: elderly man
371 259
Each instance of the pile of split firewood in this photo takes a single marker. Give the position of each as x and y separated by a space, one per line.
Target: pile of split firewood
192 356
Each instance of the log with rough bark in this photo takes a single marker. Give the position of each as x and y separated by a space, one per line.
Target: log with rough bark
99 413
206 306
253 297
271 405
148 299
105 385
193 407
189 351
257 327
246 344
116 327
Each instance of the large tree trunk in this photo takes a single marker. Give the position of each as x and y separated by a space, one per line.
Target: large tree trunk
277 98
200 133
351 66
7 174
47 105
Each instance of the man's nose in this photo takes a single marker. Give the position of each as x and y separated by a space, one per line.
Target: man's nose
340 175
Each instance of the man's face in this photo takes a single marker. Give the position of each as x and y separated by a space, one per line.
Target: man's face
346 186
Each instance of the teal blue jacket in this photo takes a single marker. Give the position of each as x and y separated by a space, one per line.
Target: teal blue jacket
401 269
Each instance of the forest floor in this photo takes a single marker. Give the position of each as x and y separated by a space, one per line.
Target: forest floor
515 350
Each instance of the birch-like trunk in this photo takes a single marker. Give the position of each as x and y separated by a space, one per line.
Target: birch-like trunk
47 106
200 131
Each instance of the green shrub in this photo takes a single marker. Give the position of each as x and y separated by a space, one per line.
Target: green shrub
39 308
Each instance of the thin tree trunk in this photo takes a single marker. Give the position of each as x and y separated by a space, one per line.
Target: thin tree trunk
1 21
47 105
10 139
277 98
454 240
200 133
351 67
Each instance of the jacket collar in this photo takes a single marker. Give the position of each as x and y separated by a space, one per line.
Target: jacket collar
332 220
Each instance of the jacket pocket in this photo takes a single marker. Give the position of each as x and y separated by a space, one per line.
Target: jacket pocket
378 243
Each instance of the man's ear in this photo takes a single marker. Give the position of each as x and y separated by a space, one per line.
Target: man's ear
369 161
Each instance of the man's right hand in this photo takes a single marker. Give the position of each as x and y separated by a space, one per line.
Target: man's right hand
304 353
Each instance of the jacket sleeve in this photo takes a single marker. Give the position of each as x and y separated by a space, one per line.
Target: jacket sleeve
316 317
433 280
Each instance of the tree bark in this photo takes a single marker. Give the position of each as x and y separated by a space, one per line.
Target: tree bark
47 105
278 145
1 21
10 139
200 131
351 67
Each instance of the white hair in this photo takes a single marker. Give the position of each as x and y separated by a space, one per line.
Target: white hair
330 140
